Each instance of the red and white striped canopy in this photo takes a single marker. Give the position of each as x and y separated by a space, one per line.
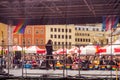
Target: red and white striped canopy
74 49
62 51
17 48
113 49
88 50
35 49
84 50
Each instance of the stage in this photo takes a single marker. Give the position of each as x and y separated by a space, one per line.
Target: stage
39 73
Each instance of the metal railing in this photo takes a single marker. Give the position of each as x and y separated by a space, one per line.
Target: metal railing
66 65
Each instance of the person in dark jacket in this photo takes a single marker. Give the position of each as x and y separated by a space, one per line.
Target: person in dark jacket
69 61
49 56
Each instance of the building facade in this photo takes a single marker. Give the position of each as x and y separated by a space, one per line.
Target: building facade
61 35
34 35
3 34
85 35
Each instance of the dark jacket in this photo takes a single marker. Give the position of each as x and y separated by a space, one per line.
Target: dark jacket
49 49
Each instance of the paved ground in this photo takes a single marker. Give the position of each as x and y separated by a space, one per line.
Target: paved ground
62 73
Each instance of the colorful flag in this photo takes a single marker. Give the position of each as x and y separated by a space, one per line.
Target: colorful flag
110 22
20 28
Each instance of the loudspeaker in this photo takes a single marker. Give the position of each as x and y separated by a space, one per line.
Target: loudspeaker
17 54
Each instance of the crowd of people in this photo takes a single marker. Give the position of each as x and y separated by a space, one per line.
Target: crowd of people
61 61
73 62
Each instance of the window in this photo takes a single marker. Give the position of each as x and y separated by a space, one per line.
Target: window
97 29
62 30
41 41
51 36
23 41
42 31
70 31
36 41
75 28
69 36
55 43
62 43
76 39
28 41
66 36
66 30
62 36
75 34
81 40
89 40
107 41
83 29
86 29
66 43
55 30
58 43
86 40
15 40
80 34
59 36
51 29
36 31
58 29
29 31
69 43
55 36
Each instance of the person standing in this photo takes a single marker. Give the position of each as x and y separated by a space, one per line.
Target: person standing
49 56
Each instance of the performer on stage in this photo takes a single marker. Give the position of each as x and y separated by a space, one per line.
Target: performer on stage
49 55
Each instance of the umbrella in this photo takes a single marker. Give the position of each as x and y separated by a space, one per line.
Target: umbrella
35 49
83 50
16 48
74 50
62 51
90 49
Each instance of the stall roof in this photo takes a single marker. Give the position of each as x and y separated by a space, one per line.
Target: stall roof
58 11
